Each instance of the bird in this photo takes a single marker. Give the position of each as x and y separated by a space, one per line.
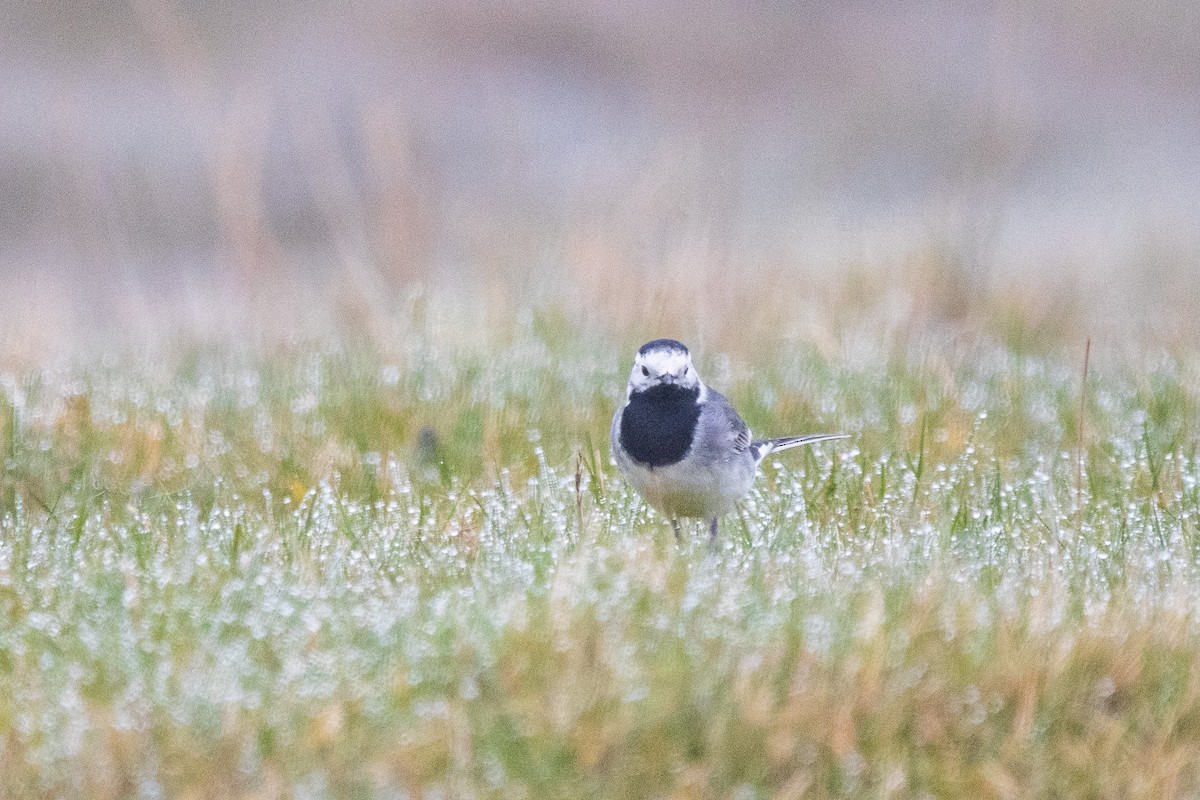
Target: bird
681 444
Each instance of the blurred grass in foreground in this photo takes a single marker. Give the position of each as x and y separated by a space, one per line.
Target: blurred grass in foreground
402 567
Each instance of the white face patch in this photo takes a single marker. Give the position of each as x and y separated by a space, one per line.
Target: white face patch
662 366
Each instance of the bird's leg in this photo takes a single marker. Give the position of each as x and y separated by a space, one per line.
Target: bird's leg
712 531
675 527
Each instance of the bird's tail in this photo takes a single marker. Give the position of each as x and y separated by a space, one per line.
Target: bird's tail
765 447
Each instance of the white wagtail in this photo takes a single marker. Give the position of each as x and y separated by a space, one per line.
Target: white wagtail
681 444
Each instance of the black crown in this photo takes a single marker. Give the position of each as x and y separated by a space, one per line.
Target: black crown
662 344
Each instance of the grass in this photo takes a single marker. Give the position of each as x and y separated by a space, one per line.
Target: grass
348 570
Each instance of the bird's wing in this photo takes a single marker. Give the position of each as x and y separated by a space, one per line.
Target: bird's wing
743 438
724 423
614 431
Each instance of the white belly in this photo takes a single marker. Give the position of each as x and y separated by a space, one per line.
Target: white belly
688 489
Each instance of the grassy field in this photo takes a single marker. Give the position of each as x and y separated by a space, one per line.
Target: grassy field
344 569
313 317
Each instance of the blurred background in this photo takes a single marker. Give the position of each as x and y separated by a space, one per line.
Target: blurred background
215 168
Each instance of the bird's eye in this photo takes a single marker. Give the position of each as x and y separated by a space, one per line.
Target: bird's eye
646 372
685 370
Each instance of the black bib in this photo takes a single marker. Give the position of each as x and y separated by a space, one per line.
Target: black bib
658 424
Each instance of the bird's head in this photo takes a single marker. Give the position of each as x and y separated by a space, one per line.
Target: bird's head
663 362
